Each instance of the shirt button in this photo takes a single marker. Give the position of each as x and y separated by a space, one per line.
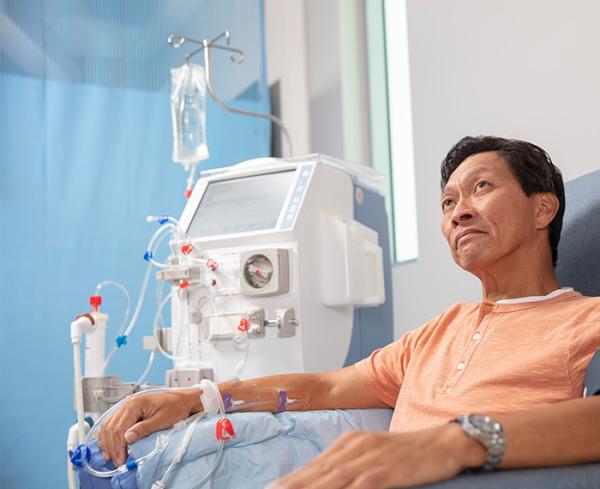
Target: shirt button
476 337
460 366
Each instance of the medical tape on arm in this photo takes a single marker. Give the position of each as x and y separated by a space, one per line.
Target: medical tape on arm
210 397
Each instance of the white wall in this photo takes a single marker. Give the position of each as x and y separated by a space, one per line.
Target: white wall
285 36
316 49
523 69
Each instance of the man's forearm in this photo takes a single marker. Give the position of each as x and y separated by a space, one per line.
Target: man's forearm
340 389
262 392
560 434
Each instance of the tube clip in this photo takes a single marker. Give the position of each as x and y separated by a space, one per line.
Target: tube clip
121 340
282 402
228 401
224 429
243 326
186 249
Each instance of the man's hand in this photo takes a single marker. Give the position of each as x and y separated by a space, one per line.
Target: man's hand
141 415
379 460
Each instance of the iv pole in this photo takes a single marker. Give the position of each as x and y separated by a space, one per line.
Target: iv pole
177 40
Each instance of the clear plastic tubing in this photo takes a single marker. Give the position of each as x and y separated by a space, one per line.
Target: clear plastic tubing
134 319
162 219
185 442
156 239
218 456
122 288
145 373
159 232
161 444
138 382
157 317
155 242
151 247
99 287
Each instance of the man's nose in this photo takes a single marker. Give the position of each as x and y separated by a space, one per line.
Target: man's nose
463 212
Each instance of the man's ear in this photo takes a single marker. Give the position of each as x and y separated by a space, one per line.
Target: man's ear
547 206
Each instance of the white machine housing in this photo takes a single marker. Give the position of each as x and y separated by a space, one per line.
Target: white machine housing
288 223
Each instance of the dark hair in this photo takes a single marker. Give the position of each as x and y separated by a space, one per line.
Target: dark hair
530 164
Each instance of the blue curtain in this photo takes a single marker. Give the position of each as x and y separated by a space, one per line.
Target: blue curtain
85 155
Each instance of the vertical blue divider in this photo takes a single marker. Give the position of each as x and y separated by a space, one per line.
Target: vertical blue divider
81 165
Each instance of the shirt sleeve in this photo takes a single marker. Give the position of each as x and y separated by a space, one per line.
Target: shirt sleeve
584 343
383 371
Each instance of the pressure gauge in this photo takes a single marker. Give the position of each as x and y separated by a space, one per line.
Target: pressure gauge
258 271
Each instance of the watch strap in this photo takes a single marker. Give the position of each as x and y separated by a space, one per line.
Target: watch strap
489 433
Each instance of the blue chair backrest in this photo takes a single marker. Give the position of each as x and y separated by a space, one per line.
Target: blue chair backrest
578 263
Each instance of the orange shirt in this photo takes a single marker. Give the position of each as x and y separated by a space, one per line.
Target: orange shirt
486 358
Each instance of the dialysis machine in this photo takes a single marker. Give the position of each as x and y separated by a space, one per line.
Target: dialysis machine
276 266
295 250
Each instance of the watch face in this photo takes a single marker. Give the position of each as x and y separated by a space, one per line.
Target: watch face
486 425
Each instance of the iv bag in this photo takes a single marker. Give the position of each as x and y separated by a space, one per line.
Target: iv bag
188 104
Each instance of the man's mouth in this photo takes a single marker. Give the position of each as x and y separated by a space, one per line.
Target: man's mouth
465 233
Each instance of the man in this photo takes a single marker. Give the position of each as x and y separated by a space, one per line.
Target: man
518 357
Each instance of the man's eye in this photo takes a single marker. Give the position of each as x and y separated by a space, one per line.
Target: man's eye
482 184
447 202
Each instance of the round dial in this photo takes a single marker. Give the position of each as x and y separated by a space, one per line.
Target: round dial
258 271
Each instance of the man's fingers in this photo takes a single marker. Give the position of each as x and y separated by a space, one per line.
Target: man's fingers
303 477
353 457
138 417
112 432
376 478
145 427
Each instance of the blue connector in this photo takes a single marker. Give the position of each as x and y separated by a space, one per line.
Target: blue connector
148 255
81 453
164 219
121 340
132 464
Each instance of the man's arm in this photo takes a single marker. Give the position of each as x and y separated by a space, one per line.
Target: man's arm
145 414
565 433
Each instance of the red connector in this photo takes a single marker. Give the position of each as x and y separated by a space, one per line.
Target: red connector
243 326
95 302
186 249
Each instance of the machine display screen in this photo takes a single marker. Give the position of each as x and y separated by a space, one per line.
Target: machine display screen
241 204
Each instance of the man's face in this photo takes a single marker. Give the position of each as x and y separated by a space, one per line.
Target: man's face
486 215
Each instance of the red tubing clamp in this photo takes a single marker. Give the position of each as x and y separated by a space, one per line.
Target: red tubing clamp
224 429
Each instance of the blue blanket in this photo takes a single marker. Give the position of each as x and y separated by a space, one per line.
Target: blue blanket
264 448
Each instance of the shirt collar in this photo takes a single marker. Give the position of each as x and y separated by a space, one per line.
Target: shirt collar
536 298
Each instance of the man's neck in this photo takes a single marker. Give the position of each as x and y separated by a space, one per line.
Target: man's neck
511 281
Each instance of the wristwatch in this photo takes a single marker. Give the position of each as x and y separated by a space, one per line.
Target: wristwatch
489 433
